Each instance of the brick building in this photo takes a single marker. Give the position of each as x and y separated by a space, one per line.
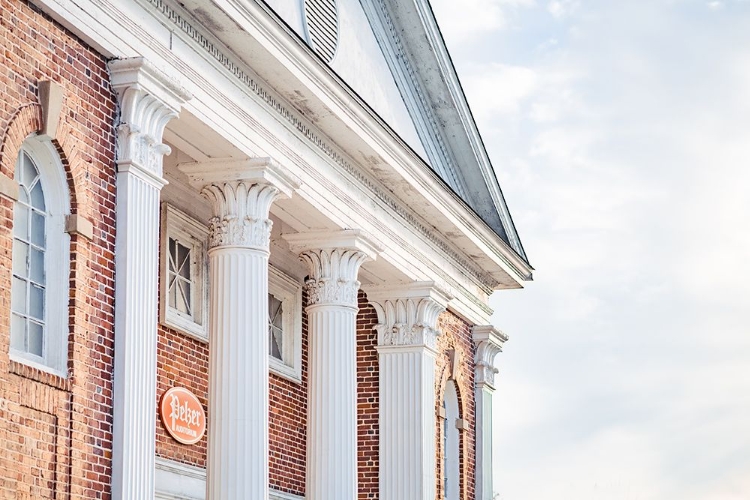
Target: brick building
282 207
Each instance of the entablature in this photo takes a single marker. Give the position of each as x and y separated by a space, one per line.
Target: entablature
366 179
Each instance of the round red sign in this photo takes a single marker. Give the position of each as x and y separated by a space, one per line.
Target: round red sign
183 415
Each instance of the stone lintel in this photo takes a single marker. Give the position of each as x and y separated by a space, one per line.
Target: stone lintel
51 99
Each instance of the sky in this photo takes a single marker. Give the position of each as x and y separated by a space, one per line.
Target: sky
620 133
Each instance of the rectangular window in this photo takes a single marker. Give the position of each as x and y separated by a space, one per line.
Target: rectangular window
284 325
184 294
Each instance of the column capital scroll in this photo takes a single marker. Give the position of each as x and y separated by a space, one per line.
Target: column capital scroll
241 193
148 99
489 343
407 313
333 259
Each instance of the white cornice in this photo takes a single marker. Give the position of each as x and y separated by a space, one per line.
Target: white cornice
482 263
450 78
412 168
214 49
413 94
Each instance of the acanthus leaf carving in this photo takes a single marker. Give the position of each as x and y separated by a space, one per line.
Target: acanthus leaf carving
333 275
148 100
408 314
489 343
241 213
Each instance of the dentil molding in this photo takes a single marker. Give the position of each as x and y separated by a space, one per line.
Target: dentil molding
407 314
489 343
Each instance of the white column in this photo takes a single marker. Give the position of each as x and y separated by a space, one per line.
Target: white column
334 259
148 100
241 194
489 342
407 333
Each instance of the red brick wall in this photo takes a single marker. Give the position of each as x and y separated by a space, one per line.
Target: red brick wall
56 433
456 336
183 361
367 400
288 425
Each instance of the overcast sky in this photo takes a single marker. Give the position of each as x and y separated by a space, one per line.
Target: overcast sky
620 131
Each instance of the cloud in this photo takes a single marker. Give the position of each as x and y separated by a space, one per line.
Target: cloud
471 18
562 8
623 155
499 89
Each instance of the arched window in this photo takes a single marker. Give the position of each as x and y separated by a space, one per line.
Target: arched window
451 446
41 259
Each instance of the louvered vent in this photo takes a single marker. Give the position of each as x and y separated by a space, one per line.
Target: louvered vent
322 26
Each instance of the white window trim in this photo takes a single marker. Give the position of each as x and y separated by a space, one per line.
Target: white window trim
451 453
289 292
175 480
56 259
174 222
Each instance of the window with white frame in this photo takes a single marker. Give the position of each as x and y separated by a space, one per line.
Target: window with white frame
451 442
284 325
41 259
184 294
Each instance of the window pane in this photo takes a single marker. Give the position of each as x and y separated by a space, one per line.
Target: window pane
28 171
275 331
183 261
172 293
36 266
37 228
276 343
183 297
37 197
36 339
172 255
18 295
36 302
17 333
275 311
20 258
21 221
23 195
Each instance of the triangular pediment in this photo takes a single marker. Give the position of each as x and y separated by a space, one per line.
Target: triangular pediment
391 53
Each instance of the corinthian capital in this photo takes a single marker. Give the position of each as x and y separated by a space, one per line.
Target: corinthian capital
407 314
489 342
334 259
241 193
148 100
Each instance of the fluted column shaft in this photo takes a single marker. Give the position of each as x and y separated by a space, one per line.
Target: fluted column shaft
483 411
407 424
148 100
489 342
238 374
334 260
241 193
407 333
136 267
239 240
332 403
